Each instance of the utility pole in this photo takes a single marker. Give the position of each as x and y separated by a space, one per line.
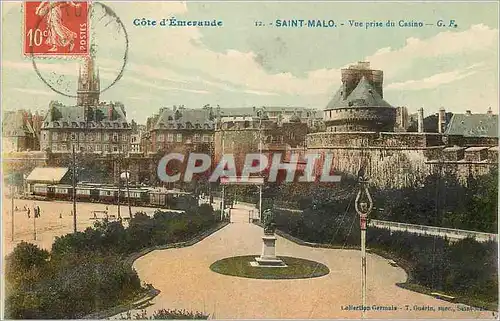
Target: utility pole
12 200
34 220
223 186
128 191
74 189
119 180
363 208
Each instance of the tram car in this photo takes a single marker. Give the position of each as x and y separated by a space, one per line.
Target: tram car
83 193
61 192
171 199
109 194
41 190
138 196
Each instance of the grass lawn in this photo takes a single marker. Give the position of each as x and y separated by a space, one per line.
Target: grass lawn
296 268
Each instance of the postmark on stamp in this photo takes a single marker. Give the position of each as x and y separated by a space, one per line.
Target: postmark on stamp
107 42
56 28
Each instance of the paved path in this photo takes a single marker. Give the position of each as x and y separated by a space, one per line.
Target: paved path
186 282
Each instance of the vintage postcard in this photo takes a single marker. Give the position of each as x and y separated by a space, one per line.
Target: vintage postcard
249 160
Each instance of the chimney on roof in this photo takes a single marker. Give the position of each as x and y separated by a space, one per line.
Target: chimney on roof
420 120
441 120
110 112
489 112
467 112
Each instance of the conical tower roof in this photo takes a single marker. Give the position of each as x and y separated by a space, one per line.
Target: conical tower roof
364 95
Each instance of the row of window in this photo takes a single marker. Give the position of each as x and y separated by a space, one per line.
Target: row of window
328 113
115 137
178 138
90 148
75 124
188 125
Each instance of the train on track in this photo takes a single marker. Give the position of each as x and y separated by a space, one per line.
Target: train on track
100 193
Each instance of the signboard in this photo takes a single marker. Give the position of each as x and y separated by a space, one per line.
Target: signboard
238 180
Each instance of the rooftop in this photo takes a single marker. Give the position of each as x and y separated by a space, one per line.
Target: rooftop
473 125
104 115
364 95
47 174
15 123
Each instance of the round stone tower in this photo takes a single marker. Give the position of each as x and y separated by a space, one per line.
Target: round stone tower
358 105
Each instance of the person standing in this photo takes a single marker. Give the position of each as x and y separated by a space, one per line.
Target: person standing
29 212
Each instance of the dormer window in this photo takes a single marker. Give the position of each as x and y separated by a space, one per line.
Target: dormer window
125 125
82 124
116 125
56 124
170 118
65 124
108 124
74 124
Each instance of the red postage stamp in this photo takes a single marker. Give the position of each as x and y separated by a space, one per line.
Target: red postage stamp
54 28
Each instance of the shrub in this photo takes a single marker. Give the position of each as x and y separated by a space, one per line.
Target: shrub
85 271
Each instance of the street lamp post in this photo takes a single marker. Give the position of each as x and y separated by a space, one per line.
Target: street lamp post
74 189
363 209
260 153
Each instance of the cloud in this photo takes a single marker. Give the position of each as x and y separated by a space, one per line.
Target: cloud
68 68
436 80
35 92
165 88
448 43
260 93
238 71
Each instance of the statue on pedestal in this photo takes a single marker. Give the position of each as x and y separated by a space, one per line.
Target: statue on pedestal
269 223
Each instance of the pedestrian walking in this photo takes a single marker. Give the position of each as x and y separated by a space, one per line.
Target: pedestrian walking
60 215
28 212
38 211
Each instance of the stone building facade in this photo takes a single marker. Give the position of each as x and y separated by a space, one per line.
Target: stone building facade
244 135
20 131
91 126
179 129
360 125
358 104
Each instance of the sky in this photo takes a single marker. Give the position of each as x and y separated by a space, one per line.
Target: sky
243 65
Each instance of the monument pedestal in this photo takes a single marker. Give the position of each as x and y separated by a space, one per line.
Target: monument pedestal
268 256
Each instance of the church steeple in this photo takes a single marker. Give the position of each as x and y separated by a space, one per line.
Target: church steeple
88 84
